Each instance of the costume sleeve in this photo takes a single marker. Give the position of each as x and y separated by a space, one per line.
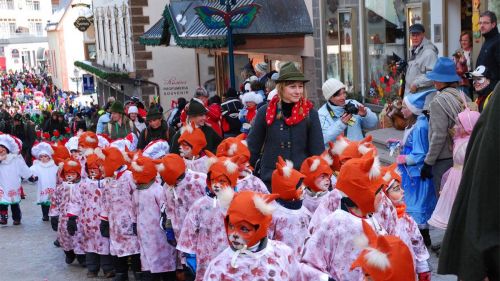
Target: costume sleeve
315 141
189 233
370 120
417 242
104 205
317 253
55 202
420 147
257 135
24 171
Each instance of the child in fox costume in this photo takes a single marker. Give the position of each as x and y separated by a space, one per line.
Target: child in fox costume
84 209
318 180
383 257
330 250
73 245
246 180
192 141
406 227
291 218
118 213
202 236
251 255
44 172
158 258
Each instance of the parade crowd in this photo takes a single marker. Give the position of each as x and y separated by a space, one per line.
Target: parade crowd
256 186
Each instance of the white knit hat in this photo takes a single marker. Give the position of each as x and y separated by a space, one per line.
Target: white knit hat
261 67
331 86
133 109
42 148
156 149
9 142
252 97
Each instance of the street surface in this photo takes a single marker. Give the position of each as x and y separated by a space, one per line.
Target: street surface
29 255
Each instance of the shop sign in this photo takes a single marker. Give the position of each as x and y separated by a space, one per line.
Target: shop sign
15 53
82 23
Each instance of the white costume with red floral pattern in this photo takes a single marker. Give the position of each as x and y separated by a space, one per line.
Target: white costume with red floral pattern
12 169
407 230
329 203
251 183
47 180
198 165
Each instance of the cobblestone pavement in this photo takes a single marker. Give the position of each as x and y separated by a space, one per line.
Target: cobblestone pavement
29 255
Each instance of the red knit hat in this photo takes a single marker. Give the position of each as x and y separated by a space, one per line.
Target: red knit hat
390 174
70 165
88 140
222 166
384 258
234 146
347 149
312 168
194 137
61 153
112 158
254 208
143 170
171 167
285 180
359 179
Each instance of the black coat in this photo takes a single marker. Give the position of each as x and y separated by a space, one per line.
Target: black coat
471 243
213 140
149 134
489 56
294 143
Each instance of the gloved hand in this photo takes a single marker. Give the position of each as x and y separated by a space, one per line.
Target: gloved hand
166 225
134 228
71 226
401 159
191 263
426 172
331 279
54 222
32 179
424 276
104 228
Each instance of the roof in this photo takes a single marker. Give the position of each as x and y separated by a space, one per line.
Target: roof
181 21
156 35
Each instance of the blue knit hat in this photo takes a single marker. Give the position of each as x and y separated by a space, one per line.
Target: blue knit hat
443 71
415 102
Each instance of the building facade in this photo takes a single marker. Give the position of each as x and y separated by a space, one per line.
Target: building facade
23 39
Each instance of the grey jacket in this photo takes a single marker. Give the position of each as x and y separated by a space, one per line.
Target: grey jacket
294 143
424 57
443 110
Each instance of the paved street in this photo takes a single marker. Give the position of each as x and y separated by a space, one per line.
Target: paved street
33 257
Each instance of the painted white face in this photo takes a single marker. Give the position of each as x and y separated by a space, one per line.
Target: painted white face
323 182
70 177
219 183
185 151
241 234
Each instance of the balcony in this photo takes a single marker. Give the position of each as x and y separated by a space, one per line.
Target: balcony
16 38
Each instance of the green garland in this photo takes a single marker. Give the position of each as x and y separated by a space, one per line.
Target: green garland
99 72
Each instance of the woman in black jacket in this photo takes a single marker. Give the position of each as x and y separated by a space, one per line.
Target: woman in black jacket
288 126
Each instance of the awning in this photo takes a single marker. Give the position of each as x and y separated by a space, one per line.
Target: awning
156 35
181 21
99 70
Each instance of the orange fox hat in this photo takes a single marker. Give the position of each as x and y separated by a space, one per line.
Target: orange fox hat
347 149
359 179
143 170
171 167
312 168
222 166
385 257
93 162
234 146
112 158
71 165
390 175
285 180
194 137
335 159
88 140
61 153
254 208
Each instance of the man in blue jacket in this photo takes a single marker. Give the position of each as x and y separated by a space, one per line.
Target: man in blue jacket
335 120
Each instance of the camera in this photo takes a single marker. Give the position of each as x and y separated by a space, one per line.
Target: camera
351 108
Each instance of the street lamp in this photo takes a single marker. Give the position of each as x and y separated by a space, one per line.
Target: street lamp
208 15
77 78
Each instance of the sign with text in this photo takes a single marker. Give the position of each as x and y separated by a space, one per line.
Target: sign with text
88 84
82 23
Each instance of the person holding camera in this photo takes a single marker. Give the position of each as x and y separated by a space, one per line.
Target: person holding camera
340 115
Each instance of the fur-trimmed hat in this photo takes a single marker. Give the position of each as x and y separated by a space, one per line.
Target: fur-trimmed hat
286 180
143 170
359 179
194 137
72 143
93 161
384 257
335 159
222 166
121 144
113 159
9 142
104 140
312 168
347 149
88 140
252 97
156 149
61 153
390 174
233 146
42 148
253 208
71 165
171 167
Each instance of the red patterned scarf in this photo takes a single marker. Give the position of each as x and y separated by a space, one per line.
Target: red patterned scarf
299 111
